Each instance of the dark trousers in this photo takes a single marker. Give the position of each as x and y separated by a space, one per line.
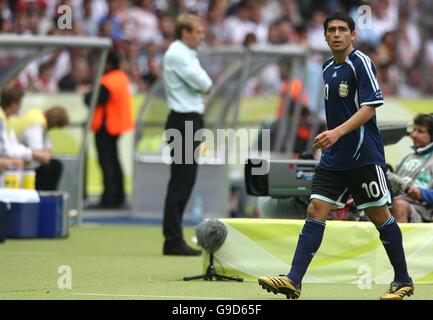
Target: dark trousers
48 175
182 177
106 147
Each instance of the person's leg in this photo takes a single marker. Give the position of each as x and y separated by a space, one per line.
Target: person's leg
180 186
179 189
310 239
405 210
189 170
106 147
391 237
369 188
328 190
118 181
48 175
401 210
42 178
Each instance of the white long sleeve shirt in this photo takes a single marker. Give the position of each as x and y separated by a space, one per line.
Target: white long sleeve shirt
36 138
185 81
9 145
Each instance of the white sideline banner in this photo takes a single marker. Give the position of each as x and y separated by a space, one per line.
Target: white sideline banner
350 253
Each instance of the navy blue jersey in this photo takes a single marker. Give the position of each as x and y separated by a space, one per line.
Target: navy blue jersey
349 86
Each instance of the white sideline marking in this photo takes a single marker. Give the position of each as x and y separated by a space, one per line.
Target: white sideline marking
144 296
27 253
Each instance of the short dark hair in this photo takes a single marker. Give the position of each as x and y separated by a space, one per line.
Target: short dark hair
113 59
9 96
424 119
340 16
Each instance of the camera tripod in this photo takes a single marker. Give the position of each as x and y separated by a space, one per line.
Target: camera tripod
211 273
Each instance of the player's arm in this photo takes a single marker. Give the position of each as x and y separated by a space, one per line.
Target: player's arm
328 138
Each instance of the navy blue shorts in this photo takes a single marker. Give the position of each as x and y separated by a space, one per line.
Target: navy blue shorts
367 185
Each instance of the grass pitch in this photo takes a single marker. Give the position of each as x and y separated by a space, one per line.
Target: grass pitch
125 262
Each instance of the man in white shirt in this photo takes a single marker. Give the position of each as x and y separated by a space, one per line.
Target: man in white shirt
10 101
185 84
15 153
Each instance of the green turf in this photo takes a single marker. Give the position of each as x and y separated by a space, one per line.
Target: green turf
125 262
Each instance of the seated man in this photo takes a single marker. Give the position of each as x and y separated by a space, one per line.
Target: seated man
10 102
413 180
31 129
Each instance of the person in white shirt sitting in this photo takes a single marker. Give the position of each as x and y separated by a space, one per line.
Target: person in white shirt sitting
10 147
31 129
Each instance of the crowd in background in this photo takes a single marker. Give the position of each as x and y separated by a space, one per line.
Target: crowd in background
399 39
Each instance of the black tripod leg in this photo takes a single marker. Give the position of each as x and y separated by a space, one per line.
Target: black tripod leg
211 274
202 276
222 277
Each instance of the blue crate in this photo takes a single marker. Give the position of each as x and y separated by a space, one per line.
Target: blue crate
22 220
53 218
3 216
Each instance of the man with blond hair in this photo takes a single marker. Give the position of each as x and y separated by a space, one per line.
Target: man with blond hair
185 83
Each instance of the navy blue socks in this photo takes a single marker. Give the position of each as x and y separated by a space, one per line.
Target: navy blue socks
311 237
390 235
309 242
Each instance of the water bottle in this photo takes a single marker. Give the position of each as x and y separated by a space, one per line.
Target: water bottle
197 209
28 180
11 178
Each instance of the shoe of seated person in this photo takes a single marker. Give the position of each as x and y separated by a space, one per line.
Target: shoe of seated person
281 284
398 290
179 249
